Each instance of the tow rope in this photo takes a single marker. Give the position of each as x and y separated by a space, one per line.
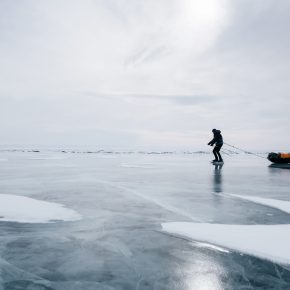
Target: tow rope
247 152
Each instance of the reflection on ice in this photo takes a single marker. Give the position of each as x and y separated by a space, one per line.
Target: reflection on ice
207 281
217 178
281 166
206 275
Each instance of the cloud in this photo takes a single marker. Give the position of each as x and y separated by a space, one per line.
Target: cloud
142 69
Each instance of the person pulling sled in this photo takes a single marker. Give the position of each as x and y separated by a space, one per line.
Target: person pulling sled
218 142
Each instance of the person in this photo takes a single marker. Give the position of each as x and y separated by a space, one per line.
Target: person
218 142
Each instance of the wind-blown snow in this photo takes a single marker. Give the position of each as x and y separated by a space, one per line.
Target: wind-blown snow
264 241
144 166
28 210
209 246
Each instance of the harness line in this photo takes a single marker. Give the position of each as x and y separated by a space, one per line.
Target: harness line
247 152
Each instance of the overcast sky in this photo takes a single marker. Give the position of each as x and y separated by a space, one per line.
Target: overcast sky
156 74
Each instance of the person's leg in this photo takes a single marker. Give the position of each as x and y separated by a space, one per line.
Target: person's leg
218 148
215 154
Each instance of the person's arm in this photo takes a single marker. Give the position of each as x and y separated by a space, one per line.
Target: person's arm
212 142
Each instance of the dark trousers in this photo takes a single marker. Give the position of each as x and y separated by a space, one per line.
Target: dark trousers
216 152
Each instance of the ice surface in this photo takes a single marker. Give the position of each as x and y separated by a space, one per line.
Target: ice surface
119 243
23 209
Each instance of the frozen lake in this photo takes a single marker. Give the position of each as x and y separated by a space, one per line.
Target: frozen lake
130 213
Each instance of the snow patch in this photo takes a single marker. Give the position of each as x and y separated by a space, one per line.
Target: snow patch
269 242
24 209
274 203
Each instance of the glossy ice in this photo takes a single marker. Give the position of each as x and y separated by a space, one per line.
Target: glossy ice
124 199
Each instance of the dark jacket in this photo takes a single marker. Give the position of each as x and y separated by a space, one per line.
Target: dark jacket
217 138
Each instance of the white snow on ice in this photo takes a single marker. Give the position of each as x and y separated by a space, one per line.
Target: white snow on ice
269 242
144 166
211 247
24 209
46 158
274 203
264 241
